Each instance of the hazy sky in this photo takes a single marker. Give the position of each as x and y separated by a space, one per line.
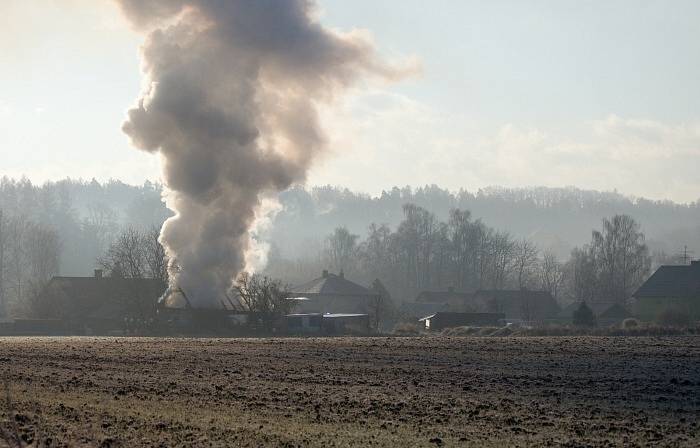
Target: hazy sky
597 94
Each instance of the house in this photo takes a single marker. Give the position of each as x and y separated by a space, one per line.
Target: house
439 321
606 313
670 287
100 305
431 302
333 293
457 301
521 305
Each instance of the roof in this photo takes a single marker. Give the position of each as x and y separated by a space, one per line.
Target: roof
97 296
514 294
332 285
600 309
672 282
519 303
416 309
442 296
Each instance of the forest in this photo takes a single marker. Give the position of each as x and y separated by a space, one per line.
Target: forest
558 239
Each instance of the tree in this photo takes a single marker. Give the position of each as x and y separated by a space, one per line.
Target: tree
582 274
263 295
621 256
154 255
341 247
525 259
551 274
126 256
4 240
381 308
584 317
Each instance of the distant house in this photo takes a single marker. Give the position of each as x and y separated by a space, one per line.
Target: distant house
439 321
676 287
100 305
456 301
518 305
333 293
606 313
431 302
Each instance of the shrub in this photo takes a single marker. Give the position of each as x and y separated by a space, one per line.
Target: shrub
459 331
406 329
630 323
673 317
584 317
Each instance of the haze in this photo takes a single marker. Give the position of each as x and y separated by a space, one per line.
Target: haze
601 95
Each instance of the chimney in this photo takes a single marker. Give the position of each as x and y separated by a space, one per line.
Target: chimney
324 274
341 274
98 273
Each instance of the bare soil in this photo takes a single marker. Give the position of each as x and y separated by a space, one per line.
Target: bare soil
429 391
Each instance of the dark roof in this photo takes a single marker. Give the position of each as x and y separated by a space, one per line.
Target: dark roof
420 309
672 282
86 296
603 310
519 303
514 294
331 285
442 296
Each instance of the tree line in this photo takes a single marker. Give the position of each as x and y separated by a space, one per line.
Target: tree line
425 253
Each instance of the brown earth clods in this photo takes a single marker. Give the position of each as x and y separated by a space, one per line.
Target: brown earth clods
430 391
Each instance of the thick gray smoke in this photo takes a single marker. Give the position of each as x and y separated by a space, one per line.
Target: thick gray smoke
230 103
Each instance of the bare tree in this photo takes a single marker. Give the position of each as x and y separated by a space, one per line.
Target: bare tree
154 254
524 260
501 254
17 256
341 248
4 240
621 256
126 257
261 294
551 274
381 307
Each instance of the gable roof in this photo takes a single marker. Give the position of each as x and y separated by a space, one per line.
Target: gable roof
442 296
101 297
514 294
672 282
331 285
519 303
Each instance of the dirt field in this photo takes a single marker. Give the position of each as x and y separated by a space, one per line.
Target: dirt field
344 391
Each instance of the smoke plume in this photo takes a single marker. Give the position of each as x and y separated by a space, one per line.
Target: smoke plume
230 102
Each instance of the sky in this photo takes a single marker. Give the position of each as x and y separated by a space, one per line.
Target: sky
595 94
